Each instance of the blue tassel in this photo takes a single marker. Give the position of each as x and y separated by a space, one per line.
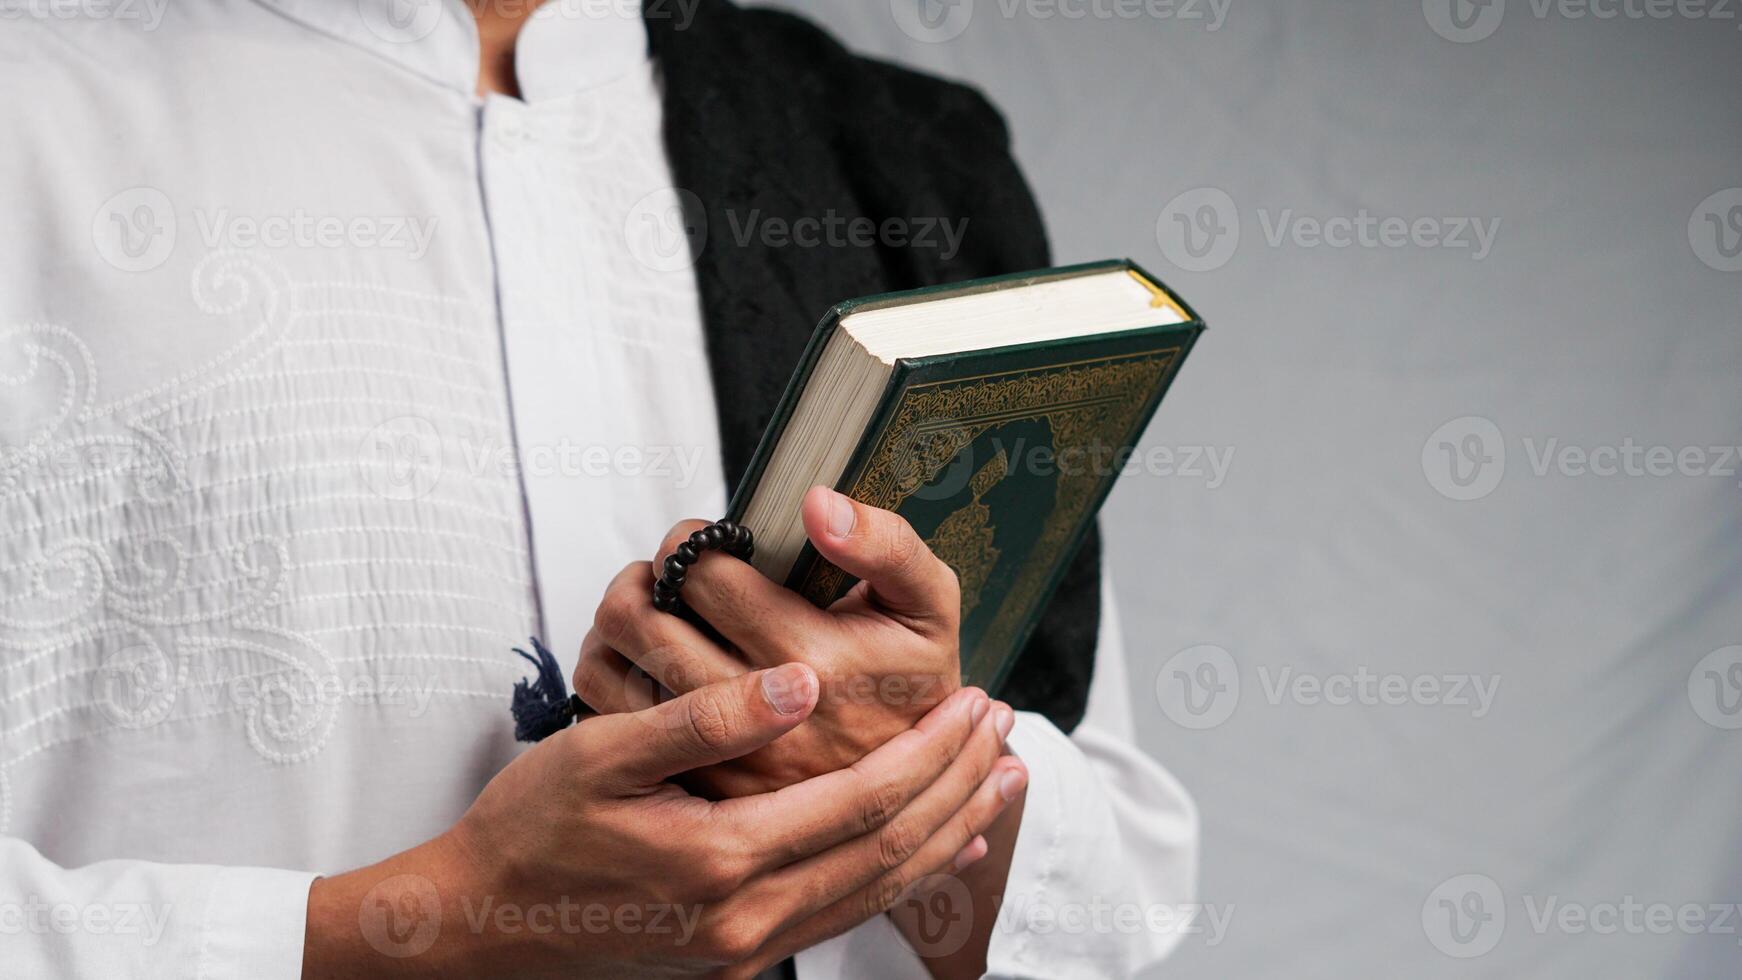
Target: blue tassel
544 706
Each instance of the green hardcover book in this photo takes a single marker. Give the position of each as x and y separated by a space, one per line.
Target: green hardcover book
993 415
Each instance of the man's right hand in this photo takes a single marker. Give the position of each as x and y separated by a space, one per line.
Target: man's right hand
581 859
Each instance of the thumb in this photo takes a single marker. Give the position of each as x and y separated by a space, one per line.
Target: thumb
881 548
709 725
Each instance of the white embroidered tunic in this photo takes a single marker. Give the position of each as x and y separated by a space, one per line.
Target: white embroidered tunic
323 383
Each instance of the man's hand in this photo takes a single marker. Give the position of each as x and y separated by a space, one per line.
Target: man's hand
580 859
885 653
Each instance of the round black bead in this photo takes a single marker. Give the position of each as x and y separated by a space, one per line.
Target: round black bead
687 553
674 568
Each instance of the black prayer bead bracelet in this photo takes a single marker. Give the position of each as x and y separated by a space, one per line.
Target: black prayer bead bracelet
728 536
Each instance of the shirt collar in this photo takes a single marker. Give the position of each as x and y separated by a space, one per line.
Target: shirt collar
565 47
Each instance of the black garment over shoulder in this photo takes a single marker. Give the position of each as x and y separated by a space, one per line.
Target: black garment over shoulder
768 119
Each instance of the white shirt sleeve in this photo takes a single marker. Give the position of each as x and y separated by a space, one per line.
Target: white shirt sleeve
140 919
1105 869
1106 863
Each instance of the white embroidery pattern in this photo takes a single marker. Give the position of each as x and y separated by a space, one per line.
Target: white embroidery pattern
243 539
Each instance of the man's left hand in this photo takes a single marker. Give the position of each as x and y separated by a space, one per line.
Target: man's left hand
884 654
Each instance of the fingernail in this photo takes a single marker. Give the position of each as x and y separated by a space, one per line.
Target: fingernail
1006 719
841 515
980 706
1011 783
975 850
789 688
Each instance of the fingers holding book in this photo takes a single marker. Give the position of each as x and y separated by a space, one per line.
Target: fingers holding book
885 654
768 624
898 574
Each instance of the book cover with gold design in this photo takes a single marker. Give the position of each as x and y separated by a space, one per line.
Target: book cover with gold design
999 458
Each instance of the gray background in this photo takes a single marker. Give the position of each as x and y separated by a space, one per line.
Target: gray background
1602 771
